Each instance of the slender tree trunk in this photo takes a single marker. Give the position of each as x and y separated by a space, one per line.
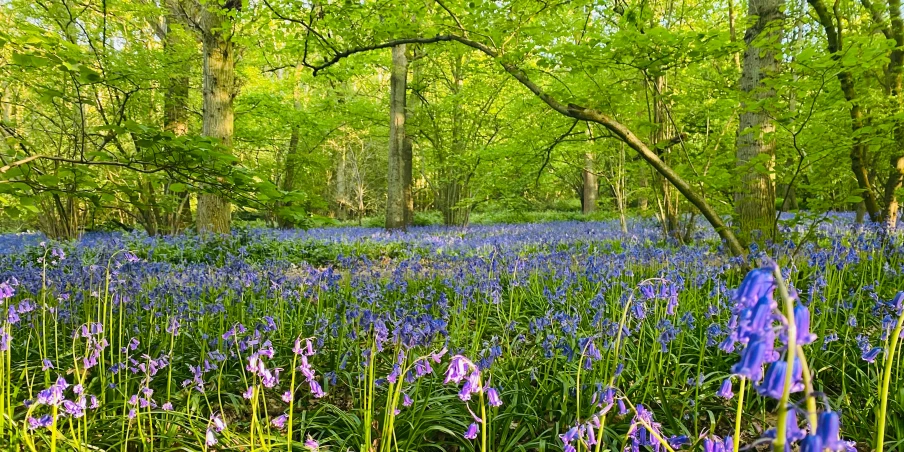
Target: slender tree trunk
395 184
407 180
175 111
214 211
895 86
453 184
755 158
591 186
846 80
290 168
661 139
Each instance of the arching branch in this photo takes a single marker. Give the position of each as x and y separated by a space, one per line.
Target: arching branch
575 112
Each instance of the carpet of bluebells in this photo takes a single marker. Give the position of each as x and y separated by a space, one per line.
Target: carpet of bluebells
559 336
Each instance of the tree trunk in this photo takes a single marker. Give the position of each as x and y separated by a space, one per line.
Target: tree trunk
732 35
175 114
290 168
895 73
662 138
591 186
214 211
407 180
619 130
846 80
395 184
755 197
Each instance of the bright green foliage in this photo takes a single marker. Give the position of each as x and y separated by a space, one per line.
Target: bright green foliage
84 99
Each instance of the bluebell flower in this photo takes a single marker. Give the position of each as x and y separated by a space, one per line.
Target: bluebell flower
43 421
774 382
811 443
725 390
752 360
472 431
871 354
493 397
280 421
802 321
828 431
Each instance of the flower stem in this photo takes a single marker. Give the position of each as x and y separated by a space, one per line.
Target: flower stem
808 386
736 440
781 428
886 379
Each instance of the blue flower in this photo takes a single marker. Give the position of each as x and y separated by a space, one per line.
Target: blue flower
752 359
725 390
828 431
871 354
774 382
811 443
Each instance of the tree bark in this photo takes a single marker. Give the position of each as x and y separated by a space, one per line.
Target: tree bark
290 167
215 211
396 202
590 186
895 73
846 80
731 32
175 112
661 138
755 197
407 180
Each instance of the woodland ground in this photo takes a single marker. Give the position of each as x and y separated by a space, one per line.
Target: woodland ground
266 338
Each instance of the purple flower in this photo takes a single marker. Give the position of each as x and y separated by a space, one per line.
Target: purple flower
46 365
210 438
73 409
676 442
725 390
5 339
622 410
871 354
287 397
249 393
472 431
715 444
406 400
802 321
571 435
311 444
458 369
316 390
757 284
40 422
493 397
280 421
218 423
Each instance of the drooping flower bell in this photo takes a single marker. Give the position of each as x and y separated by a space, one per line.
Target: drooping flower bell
493 397
752 359
774 382
811 443
725 390
828 431
472 431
